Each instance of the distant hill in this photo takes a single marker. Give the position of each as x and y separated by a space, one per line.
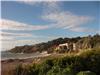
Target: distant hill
81 42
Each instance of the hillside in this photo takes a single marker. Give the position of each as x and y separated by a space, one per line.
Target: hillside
81 43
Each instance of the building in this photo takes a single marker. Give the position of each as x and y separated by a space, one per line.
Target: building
66 46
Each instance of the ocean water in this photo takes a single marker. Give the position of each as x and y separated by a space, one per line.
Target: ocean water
8 55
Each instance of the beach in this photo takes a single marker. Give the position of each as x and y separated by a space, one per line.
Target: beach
8 65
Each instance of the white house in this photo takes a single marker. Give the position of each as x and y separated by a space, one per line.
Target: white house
66 46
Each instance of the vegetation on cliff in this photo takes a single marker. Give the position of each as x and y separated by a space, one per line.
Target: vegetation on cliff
81 42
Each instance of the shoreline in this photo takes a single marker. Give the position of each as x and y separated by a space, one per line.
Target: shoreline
12 63
24 56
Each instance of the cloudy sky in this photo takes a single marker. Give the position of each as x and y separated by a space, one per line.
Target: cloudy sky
30 22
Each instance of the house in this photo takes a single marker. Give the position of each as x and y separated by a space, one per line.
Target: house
66 46
62 47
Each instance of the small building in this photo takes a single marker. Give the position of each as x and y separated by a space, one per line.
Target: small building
66 46
62 47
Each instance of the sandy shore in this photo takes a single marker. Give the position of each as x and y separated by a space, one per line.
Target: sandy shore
7 66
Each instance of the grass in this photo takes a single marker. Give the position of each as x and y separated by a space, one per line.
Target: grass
65 64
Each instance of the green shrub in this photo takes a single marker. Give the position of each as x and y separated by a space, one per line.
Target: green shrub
67 65
45 67
56 70
86 73
67 71
33 69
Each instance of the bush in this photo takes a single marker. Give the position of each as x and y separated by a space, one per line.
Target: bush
67 71
45 67
86 73
86 63
33 69
56 70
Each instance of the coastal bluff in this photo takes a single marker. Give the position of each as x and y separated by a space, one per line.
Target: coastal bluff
81 43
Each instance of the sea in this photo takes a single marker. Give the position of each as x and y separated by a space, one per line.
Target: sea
8 55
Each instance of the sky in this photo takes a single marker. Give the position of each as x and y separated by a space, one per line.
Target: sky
29 22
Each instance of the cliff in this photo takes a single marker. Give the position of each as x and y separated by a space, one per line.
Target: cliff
81 43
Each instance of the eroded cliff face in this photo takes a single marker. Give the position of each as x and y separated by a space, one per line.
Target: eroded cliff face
80 43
